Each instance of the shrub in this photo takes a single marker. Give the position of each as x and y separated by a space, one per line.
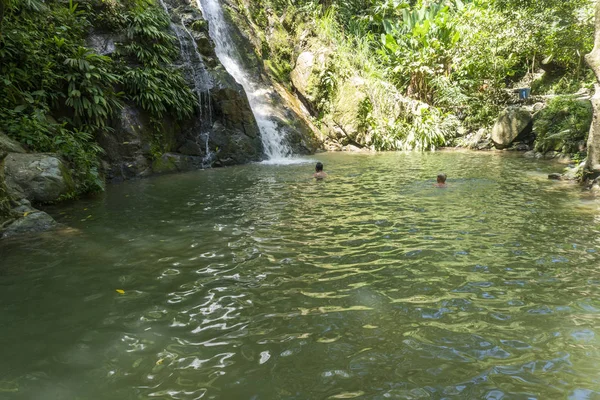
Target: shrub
563 125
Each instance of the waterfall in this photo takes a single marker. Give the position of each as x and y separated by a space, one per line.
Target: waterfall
273 141
202 82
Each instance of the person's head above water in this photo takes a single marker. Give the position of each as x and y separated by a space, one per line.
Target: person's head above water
441 178
319 167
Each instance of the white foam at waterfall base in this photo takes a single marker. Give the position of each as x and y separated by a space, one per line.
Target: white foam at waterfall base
287 161
275 148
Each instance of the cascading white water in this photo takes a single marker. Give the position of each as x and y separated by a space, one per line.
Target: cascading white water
273 141
202 83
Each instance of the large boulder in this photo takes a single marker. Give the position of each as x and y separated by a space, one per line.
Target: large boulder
300 75
37 221
40 178
347 105
513 123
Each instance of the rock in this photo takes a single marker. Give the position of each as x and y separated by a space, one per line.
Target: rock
234 146
347 106
485 144
10 146
103 43
574 173
521 147
173 162
127 149
511 124
529 154
37 221
190 148
40 178
301 73
555 176
204 44
351 148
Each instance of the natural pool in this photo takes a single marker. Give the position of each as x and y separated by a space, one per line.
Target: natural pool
257 282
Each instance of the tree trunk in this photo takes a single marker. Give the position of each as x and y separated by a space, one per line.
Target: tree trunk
593 144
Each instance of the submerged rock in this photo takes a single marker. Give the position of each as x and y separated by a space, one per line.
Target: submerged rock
511 124
555 176
37 221
40 178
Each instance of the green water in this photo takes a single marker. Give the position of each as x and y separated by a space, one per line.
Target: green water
257 282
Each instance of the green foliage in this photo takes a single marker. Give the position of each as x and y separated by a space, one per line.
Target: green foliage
56 95
152 83
563 125
148 39
90 89
457 56
159 91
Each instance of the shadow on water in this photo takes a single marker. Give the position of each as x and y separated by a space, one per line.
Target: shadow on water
260 282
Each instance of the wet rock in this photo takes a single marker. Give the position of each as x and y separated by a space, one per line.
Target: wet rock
127 149
521 147
555 176
174 162
529 154
204 43
40 178
37 221
234 146
574 173
511 124
190 148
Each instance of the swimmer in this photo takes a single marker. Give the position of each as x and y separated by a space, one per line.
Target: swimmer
319 174
441 181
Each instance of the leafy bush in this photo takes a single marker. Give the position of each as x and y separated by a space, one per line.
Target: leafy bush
563 125
56 95
152 83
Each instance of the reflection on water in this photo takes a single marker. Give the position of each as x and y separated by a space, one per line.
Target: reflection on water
257 282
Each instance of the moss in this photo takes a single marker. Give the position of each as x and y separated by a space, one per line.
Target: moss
164 164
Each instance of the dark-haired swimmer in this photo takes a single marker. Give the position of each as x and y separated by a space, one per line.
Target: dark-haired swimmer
441 181
319 173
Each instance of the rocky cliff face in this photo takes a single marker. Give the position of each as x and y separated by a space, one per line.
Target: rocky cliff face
222 132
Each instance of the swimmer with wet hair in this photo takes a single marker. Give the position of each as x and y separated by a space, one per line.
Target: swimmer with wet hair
441 181
319 173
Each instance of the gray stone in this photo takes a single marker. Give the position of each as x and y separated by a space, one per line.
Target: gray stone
555 176
511 123
521 147
10 146
529 154
103 43
301 73
40 178
346 108
37 221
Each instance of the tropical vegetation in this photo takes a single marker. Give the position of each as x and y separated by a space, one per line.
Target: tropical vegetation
452 63
59 95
